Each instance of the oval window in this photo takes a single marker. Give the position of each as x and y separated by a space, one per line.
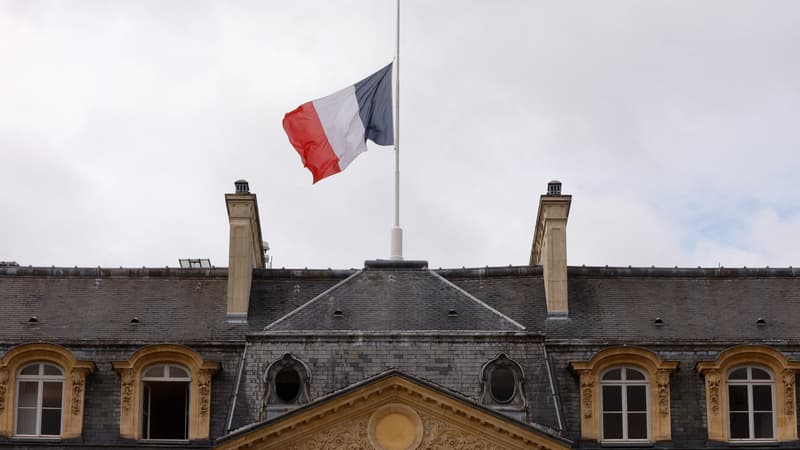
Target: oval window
287 384
502 384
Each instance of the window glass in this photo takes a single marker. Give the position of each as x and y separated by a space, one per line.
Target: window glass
28 393
51 394
612 398
637 398
612 425
632 374
33 369
762 423
154 372
637 426
737 396
178 372
613 374
759 374
762 398
738 374
50 369
26 421
740 426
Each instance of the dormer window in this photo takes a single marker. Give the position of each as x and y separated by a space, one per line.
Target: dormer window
502 387
286 386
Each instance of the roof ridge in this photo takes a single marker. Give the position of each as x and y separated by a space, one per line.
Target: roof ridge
478 301
313 300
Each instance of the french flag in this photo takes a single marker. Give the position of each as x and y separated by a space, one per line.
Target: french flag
331 131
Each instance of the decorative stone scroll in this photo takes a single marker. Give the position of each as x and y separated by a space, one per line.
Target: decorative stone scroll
712 383
788 390
3 388
587 386
204 384
662 381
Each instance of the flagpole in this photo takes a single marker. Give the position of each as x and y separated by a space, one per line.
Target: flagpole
397 232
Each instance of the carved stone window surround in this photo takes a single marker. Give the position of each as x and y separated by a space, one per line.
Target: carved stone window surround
517 401
130 373
74 384
658 373
716 374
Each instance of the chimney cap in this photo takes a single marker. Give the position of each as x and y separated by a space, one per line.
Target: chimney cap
242 187
554 187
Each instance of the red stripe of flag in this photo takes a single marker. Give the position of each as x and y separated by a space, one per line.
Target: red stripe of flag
308 137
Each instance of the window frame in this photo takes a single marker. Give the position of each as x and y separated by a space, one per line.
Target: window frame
131 390
624 383
750 383
783 373
40 378
657 374
73 388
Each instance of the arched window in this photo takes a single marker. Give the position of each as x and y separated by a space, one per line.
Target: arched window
502 386
624 394
40 400
750 395
286 386
750 404
165 393
165 402
42 388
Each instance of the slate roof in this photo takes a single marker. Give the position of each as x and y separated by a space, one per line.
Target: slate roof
390 295
621 304
93 304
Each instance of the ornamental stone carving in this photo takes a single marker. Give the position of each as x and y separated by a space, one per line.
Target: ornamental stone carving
348 435
788 388
662 383
3 388
128 379
204 387
78 379
712 383
587 385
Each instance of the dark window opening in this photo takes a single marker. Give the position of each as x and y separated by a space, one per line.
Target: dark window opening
287 384
502 384
165 408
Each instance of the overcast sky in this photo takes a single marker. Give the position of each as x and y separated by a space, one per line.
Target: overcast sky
675 125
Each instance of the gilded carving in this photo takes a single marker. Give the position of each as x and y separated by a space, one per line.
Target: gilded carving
587 384
788 388
662 380
204 386
78 380
3 388
127 389
712 381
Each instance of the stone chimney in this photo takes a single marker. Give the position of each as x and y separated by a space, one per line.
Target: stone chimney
246 249
549 247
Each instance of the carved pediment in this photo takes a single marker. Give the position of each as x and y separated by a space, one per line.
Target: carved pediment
394 412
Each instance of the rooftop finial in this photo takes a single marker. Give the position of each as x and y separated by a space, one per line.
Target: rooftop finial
242 187
554 188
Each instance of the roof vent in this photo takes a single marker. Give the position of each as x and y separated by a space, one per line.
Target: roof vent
658 322
338 313
33 319
761 322
136 321
242 187
452 313
554 188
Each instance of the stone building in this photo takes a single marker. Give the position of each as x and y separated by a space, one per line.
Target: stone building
396 355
